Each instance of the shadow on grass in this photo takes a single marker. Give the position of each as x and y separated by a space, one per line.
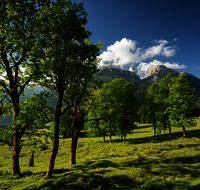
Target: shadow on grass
177 166
164 137
141 132
194 187
88 181
86 177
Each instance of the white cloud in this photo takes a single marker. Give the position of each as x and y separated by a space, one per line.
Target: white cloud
126 51
168 51
174 65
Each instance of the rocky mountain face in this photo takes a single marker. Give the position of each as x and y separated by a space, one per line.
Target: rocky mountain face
157 72
154 71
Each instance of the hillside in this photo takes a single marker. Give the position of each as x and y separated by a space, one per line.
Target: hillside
109 72
144 162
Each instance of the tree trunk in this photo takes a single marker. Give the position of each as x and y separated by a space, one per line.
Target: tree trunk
124 138
56 133
16 146
163 130
121 138
164 127
64 136
104 134
110 135
15 155
183 131
31 161
154 126
170 134
74 141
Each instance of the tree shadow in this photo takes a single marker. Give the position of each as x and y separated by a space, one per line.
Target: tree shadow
87 176
143 127
170 167
141 132
164 137
86 181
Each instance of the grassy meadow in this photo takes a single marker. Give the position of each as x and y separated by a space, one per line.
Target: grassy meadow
143 162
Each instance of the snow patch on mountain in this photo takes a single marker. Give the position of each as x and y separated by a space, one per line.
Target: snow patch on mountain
133 69
153 68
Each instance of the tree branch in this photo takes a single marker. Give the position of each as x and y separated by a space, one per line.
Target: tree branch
5 87
6 142
49 119
100 118
24 85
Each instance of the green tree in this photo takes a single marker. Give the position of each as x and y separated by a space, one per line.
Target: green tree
149 109
182 101
20 55
69 63
162 97
97 128
116 104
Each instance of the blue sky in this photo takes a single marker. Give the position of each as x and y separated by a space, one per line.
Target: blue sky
137 31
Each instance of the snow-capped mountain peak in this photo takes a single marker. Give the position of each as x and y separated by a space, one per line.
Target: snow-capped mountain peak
153 68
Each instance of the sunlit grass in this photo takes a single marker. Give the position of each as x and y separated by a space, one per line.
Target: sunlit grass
143 162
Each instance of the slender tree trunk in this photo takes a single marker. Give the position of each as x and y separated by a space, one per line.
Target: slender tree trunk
110 129
110 138
74 141
17 136
183 131
56 132
164 127
104 134
170 134
15 155
163 130
110 135
121 138
31 161
154 126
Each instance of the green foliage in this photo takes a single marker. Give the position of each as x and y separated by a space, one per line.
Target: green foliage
116 105
181 100
149 110
34 112
33 116
6 133
38 140
21 54
168 103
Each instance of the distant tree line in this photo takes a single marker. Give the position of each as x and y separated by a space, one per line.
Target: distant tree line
169 103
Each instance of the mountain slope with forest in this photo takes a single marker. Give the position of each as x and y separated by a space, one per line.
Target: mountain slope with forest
108 73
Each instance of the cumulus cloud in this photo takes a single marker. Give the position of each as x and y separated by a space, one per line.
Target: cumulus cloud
174 65
126 51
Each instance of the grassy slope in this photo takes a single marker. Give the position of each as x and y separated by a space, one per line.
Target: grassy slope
143 162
